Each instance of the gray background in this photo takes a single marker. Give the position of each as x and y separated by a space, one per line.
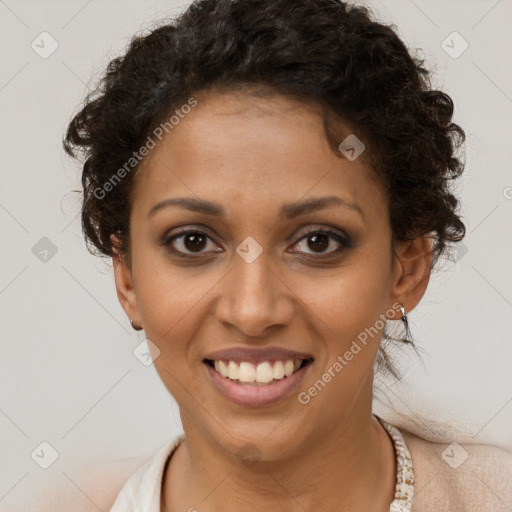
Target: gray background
68 373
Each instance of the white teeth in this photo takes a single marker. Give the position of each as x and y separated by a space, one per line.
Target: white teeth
223 369
278 370
263 373
246 372
232 370
288 368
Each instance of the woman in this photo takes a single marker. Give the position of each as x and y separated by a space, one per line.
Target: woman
271 180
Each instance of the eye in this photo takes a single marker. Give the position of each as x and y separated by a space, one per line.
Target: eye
189 241
319 240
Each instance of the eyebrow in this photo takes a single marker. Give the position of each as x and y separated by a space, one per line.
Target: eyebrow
287 211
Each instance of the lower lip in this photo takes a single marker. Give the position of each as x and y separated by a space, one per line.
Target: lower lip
254 395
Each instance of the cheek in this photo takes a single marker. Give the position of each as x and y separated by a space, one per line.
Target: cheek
169 301
349 304
349 309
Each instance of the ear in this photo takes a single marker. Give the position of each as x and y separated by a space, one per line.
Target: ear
412 272
125 287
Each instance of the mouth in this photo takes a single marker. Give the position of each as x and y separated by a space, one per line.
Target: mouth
256 377
264 373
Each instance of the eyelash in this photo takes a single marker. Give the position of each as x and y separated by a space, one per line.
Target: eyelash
342 239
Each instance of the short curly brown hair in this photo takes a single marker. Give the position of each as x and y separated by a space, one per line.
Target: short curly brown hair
324 51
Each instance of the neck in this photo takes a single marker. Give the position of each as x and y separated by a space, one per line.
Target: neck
352 467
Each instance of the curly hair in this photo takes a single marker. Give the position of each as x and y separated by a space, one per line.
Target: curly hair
322 51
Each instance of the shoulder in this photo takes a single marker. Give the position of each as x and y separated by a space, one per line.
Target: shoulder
459 476
139 489
103 482
96 486
86 489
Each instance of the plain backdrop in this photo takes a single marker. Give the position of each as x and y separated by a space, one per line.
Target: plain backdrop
68 374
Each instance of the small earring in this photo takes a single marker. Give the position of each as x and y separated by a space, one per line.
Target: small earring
408 336
135 326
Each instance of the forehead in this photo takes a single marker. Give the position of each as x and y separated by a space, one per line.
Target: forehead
250 150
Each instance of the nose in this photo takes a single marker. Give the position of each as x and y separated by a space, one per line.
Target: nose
254 298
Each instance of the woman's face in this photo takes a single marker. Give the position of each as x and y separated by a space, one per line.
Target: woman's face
248 278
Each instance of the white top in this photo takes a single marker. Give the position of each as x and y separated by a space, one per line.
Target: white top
143 489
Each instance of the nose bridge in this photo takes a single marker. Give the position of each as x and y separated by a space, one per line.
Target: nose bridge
255 297
252 279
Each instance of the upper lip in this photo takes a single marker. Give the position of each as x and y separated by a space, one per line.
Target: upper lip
257 355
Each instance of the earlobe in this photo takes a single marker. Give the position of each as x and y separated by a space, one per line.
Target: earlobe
414 262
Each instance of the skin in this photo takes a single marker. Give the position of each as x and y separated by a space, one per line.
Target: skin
251 155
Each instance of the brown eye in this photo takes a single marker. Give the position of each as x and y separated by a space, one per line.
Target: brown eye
194 241
318 241
188 242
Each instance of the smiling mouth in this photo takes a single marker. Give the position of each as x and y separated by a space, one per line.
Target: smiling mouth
262 374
